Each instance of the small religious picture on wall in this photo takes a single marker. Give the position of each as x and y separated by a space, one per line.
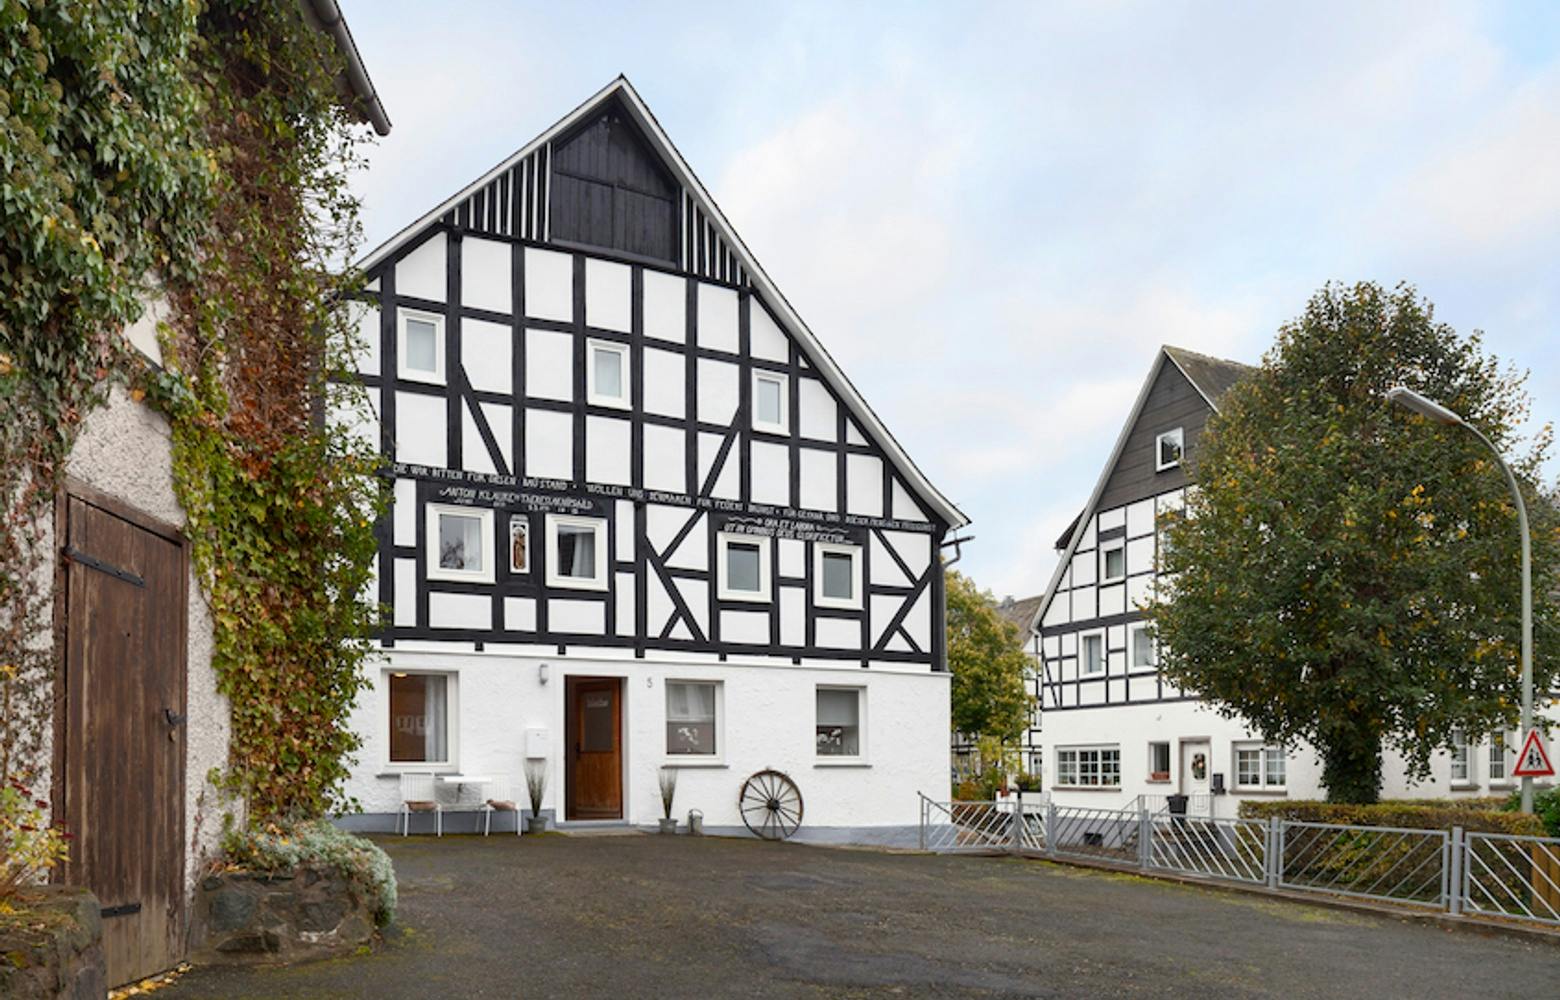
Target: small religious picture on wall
519 548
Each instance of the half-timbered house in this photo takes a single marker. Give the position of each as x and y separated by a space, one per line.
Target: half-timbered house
641 518
1117 733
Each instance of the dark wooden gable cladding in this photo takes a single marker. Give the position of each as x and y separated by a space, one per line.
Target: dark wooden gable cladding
610 189
1172 402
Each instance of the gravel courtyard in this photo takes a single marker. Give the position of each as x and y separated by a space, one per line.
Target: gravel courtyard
647 916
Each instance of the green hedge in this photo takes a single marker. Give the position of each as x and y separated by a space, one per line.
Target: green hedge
1482 815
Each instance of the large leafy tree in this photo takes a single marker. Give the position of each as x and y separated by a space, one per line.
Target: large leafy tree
1346 573
987 659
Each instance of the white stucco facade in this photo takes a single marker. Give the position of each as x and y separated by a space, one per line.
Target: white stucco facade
765 719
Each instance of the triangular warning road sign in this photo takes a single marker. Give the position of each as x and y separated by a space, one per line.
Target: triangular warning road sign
1533 761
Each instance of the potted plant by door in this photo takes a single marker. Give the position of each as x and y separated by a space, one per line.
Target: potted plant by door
536 786
668 777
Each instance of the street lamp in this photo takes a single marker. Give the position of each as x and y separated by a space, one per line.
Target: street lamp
1409 399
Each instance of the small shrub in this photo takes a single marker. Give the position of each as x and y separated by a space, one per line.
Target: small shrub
29 847
317 842
1416 814
1546 806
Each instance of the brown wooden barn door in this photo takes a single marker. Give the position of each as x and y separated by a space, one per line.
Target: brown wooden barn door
595 735
123 763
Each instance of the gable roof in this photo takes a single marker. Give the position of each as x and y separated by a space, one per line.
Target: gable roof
825 364
1021 611
1211 377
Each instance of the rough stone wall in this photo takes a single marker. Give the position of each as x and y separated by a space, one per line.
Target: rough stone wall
58 951
310 913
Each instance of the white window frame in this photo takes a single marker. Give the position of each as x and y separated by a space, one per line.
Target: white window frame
433 512
1265 773
556 579
783 426
1179 434
716 759
821 549
1502 752
451 721
836 760
1133 633
1464 759
594 396
1114 545
1083 659
435 377
1076 754
765 545
1169 760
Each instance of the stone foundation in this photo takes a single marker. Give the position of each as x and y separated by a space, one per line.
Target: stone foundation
311 913
53 946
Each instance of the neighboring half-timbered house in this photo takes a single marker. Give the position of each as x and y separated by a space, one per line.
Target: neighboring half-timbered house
640 518
1117 733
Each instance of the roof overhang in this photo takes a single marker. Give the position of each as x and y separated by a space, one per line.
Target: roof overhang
362 99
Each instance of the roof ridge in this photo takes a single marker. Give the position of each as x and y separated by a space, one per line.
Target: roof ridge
1206 357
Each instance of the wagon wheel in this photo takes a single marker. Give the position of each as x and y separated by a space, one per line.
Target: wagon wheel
771 805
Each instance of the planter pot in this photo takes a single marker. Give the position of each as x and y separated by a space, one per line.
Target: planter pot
668 825
536 824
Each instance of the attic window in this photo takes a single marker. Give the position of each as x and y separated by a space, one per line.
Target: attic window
1167 450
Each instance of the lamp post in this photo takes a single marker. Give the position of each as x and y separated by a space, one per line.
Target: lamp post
1409 399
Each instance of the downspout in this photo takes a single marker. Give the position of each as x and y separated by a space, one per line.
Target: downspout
331 21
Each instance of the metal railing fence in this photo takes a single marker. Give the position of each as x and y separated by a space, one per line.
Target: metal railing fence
1504 875
1373 862
1481 875
1235 849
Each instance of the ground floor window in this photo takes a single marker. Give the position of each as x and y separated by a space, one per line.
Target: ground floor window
839 722
419 718
1159 761
1462 758
1258 766
690 718
1088 766
1498 751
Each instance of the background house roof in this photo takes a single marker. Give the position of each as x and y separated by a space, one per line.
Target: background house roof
1021 611
1212 376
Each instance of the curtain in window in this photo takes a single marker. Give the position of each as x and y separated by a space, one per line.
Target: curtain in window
839 731
437 741
419 718
690 718
577 552
460 542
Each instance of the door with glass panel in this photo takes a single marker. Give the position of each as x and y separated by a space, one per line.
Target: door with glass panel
594 723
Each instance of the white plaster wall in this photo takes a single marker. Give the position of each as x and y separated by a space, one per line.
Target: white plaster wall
125 450
768 722
1133 727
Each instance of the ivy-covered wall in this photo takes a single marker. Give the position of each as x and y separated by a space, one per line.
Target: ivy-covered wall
197 153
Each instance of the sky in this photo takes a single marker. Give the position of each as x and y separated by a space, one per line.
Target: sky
993 214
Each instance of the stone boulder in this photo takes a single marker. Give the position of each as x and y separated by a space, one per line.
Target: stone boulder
244 917
52 945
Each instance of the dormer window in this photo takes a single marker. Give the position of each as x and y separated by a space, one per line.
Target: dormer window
1167 450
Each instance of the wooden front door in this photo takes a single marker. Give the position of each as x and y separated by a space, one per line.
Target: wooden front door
595 739
123 745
